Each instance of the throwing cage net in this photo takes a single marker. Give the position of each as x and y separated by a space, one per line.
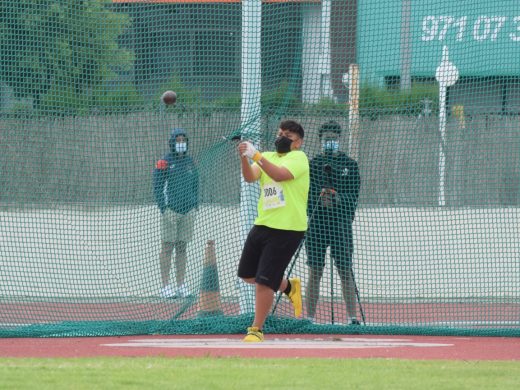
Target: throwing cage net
120 214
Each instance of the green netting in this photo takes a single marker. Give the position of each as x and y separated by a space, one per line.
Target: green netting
427 95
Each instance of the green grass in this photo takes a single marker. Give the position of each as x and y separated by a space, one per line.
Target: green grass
241 373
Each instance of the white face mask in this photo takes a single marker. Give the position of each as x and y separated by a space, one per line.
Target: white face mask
181 147
330 145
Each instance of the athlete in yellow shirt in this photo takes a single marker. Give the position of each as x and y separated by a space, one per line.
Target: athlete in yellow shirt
281 222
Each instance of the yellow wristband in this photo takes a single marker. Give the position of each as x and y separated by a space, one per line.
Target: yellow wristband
257 156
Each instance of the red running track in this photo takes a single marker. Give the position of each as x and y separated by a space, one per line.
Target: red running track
275 346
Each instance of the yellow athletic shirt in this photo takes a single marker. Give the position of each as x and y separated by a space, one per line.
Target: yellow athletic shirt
283 205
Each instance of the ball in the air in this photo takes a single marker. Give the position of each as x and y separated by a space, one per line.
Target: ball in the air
169 97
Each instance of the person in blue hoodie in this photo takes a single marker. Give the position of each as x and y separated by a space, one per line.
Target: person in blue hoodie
176 190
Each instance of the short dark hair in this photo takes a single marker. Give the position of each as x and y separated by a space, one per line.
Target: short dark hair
293 127
332 126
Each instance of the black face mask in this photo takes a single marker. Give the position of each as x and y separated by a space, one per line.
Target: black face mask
283 144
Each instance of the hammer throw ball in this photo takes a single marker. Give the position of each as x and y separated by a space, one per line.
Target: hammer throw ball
169 97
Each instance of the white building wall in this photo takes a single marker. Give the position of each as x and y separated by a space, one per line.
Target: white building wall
316 79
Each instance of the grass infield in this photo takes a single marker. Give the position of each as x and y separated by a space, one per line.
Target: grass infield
239 373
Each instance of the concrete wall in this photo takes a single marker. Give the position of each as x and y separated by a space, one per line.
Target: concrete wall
102 160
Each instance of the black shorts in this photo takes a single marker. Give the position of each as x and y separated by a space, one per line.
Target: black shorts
341 249
267 253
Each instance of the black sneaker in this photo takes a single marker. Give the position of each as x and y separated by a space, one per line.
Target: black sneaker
354 321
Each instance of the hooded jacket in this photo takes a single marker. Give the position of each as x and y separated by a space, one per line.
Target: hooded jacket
175 180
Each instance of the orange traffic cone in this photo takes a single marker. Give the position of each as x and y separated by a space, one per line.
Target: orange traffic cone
209 298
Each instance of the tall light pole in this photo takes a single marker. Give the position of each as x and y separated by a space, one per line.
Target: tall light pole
446 74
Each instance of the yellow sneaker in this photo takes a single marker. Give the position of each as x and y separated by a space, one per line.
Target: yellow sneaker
295 296
254 335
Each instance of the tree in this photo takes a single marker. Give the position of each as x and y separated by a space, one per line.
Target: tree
58 52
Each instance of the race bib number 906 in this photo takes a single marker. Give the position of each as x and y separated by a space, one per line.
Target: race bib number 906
273 196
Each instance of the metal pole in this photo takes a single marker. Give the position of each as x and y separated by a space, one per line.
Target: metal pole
442 142
325 82
406 46
251 75
446 74
331 290
357 295
351 80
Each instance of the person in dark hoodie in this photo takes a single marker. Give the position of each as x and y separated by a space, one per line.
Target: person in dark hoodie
176 188
333 197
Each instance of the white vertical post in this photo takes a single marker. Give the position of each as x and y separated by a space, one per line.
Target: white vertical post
251 72
316 51
442 130
406 45
351 80
325 58
446 74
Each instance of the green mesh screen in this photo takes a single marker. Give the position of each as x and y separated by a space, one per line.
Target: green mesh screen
427 95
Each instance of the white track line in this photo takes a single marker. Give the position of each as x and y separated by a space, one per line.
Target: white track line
225 343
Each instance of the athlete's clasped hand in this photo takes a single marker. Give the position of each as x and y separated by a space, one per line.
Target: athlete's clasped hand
247 149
